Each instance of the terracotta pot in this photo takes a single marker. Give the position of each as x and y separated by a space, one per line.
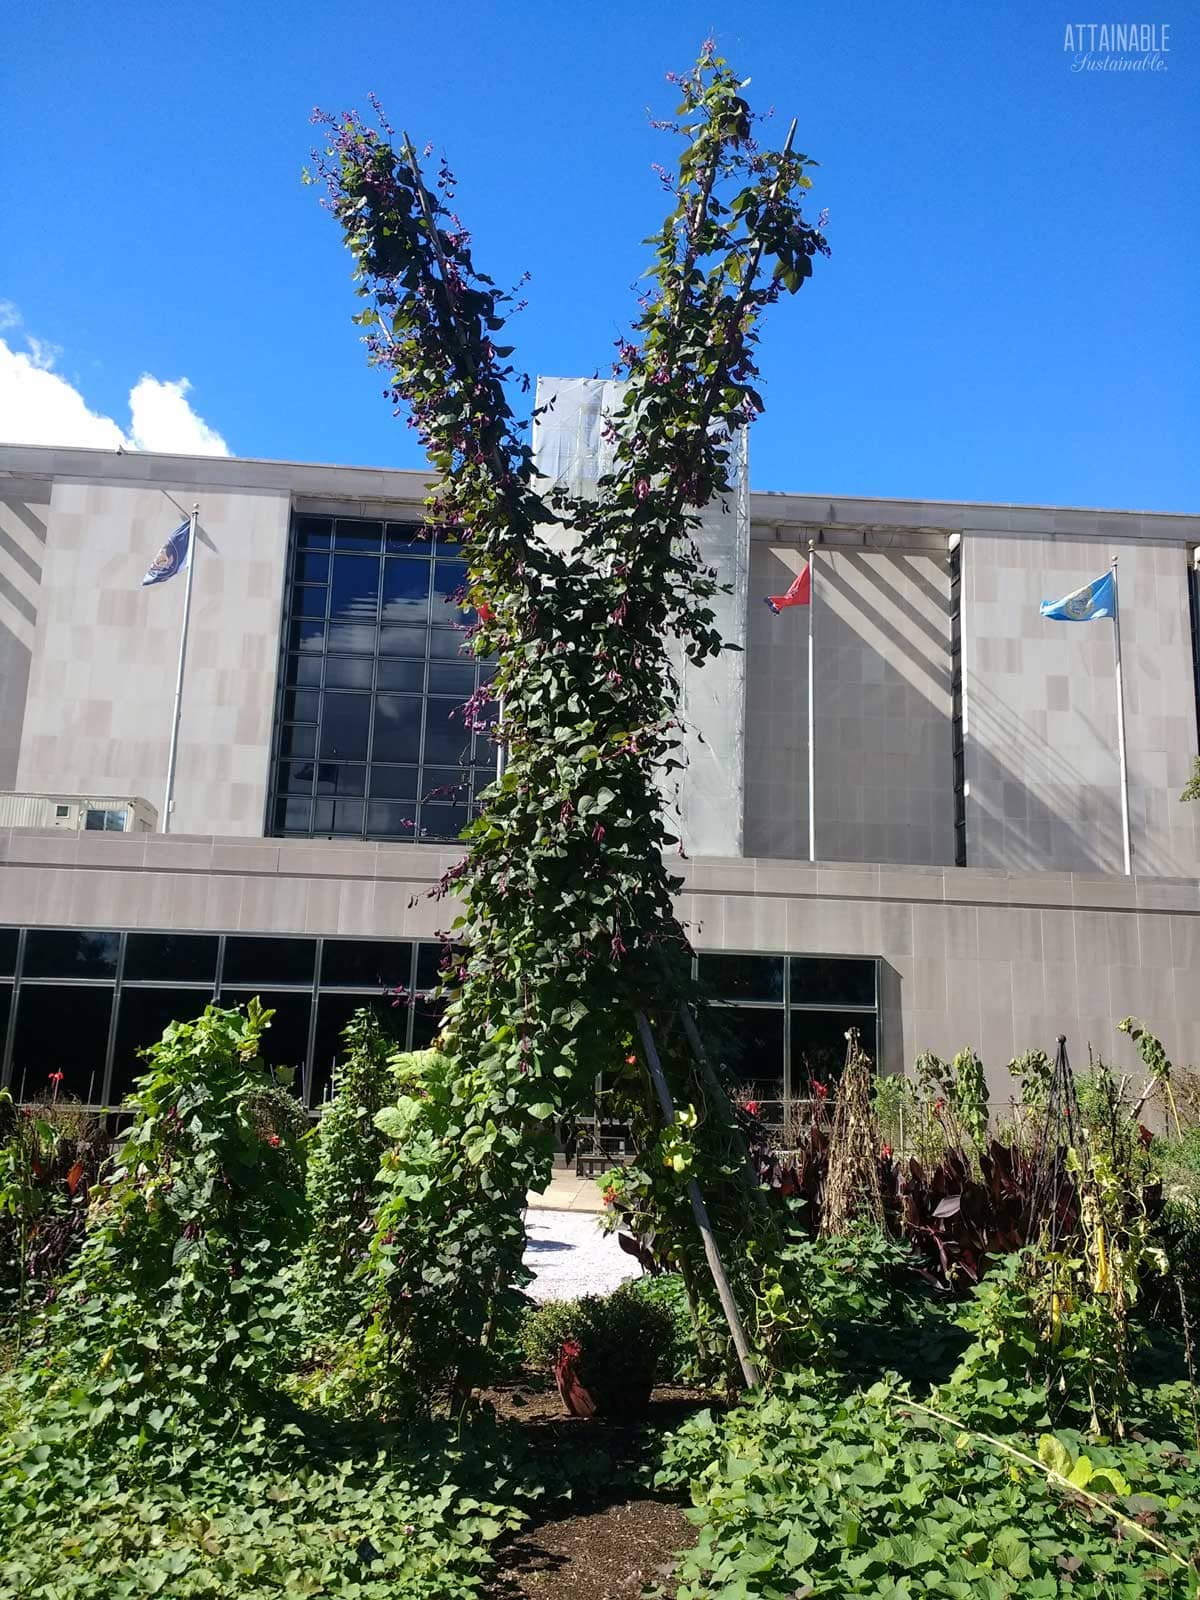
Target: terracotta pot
615 1398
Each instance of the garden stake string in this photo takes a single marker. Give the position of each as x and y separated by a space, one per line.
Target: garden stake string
1189 1354
1057 1479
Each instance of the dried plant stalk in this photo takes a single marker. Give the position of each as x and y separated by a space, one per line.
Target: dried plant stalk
852 1186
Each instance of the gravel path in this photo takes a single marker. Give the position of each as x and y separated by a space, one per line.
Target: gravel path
569 1256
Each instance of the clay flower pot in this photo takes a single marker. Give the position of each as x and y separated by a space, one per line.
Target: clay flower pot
617 1395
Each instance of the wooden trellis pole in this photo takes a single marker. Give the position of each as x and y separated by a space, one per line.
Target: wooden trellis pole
700 1212
717 1089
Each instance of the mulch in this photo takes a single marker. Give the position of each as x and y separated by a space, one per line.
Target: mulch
608 1551
609 1554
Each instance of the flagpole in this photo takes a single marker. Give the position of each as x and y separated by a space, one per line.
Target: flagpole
1125 839
169 797
812 703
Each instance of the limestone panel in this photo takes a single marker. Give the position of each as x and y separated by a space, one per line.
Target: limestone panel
1042 768
102 680
884 772
23 511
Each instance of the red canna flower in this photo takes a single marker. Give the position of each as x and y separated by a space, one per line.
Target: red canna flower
273 1140
752 1107
56 1077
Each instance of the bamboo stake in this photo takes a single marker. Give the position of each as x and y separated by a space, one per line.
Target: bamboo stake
700 1212
1055 1478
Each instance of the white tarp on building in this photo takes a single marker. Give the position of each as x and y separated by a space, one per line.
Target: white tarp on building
569 447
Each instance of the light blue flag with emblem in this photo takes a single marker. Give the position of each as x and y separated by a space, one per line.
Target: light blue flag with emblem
1095 600
172 558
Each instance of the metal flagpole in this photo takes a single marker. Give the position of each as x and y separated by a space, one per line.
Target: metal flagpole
812 714
1125 839
169 798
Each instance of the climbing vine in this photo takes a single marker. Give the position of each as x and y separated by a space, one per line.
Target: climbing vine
567 921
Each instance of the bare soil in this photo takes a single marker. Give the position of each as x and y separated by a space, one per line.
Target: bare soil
608 1554
624 1542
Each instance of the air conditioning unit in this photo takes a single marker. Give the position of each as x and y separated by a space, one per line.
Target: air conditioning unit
78 813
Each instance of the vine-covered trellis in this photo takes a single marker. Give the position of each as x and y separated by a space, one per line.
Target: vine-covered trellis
567 919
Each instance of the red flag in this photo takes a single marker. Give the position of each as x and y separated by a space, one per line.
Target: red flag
800 593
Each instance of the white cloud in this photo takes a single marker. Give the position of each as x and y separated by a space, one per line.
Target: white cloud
39 406
163 420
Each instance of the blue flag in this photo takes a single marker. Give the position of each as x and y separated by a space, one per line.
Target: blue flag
172 558
1096 599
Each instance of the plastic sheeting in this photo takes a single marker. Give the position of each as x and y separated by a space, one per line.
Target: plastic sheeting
705 801
568 431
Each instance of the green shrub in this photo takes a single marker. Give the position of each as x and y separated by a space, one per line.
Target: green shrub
178 1294
1176 1232
625 1337
680 1361
1178 1161
816 1294
346 1152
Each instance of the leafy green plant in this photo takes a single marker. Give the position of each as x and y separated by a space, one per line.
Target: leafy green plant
177 1296
342 1195
265 1515
809 1491
895 1109
1031 1072
1153 1053
819 1295
970 1096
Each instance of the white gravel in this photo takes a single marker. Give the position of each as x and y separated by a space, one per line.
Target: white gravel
569 1256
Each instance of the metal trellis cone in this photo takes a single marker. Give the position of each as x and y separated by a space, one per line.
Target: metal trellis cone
1053 1196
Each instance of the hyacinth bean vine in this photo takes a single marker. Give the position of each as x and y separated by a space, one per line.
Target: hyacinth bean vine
567 922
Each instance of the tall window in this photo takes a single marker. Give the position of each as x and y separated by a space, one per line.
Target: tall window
370 741
780 1021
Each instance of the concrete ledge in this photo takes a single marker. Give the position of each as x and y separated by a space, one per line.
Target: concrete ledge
401 870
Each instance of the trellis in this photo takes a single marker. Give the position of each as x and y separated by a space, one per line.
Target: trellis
568 915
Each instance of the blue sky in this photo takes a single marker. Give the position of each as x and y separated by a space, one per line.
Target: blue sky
1010 312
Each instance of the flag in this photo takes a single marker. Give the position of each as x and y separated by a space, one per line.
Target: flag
800 593
172 558
1096 599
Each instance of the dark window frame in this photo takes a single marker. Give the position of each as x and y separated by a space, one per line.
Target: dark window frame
412 972
292 813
